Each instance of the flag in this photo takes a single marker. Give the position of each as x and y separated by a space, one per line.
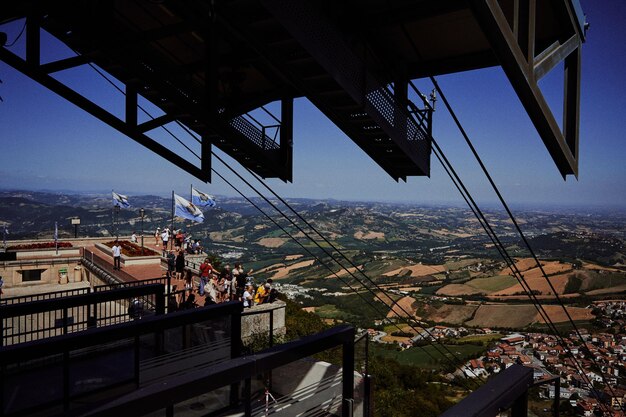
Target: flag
120 200
201 199
56 232
187 210
4 239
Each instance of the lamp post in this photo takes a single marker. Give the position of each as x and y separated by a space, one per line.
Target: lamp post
142 212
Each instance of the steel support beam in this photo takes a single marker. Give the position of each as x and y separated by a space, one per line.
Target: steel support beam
330 48
35 72
286 135
506 390
553 55
67 63
571 100
520 70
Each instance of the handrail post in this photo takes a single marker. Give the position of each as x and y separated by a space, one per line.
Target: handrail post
136 363
520 406
557 397
368 388
348 375
271 328
169 291
160 301
247 394
65 320
235 351
66 379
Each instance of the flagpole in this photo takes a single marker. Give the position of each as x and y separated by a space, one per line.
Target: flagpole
172 229
191 193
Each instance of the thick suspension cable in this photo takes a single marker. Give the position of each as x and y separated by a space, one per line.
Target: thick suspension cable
505 205
518 229
507 258
313 240
307 235
292 237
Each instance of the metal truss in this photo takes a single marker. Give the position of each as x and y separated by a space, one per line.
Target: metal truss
514 41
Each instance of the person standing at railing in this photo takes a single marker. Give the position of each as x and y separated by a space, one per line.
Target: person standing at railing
261 294
205 271
165 236
180 264
189 280
171 263
135 309
179 236
247 296
240 277
229 282
117 255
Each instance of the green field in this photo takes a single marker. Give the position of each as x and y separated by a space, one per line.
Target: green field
484 338
492 284
461 263
328 311
562 327
430 357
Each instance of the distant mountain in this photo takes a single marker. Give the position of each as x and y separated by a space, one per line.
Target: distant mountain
426 233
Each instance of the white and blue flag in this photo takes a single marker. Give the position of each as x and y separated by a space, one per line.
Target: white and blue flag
201 199
187 210
120 200
56 232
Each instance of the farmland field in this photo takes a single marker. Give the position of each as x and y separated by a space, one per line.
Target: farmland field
452 314
458 289
503 316
431 356
492 284
556 313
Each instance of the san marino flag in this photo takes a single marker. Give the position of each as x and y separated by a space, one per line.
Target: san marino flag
201 199
120 200
187 210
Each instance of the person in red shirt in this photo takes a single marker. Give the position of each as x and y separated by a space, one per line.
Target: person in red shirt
205 271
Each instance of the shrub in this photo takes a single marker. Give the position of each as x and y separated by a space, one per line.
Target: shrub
43 245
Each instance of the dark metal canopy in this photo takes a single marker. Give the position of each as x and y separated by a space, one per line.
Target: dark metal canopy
212 65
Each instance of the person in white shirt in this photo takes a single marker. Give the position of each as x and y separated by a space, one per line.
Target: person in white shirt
247 296
165 236
133 237
117 255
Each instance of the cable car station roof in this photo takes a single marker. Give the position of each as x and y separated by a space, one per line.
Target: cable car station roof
209 64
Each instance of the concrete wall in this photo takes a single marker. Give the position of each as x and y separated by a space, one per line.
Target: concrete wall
258 324
54 271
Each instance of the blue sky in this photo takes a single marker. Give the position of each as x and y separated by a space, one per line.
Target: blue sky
47 143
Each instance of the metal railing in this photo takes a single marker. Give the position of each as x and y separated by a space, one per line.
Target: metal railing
508 390
46 318
241 369
77 371
43 296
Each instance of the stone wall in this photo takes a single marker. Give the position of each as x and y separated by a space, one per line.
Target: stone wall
255 321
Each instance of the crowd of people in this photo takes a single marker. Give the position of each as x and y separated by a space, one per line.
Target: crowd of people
218 286
178 240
